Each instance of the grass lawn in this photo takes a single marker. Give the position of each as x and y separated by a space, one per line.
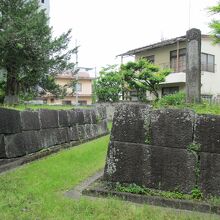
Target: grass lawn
22 107
35 191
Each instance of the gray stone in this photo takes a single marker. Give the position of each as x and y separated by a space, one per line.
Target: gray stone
101 112
63 118
81 132
14 145
2 146
75 117
151 166
103 127
89 131
10 121
207 133
32 141
193 66
63 136
73 134
87 116
49 137
210 173
95 130
131 123
48 118
93 117
172 128
30 120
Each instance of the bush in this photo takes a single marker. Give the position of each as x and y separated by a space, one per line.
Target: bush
176 99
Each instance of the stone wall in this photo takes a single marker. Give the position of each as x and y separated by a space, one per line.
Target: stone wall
26 132
168 149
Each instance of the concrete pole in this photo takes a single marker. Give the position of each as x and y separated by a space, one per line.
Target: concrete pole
193 66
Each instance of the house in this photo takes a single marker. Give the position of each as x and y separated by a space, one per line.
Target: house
172 54
81 93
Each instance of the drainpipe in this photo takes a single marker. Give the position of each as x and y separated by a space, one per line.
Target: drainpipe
177 55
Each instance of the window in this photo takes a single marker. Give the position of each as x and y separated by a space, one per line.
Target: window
181 66
82 102
207 62
150 58
66 102
42 1
79 87
170 90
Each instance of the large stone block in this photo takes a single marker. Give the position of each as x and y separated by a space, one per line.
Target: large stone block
172 128
14 145
131 123
63 118
87 116
207 133
49 137
155 167
2 146
32 141
10 121
94 119
73 133
48 118
75 117
95 130
81 132
101 112
30 120
103 127
210 173
127 163
63 136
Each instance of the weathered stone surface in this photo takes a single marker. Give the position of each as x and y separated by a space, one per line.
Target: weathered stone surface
95 130
103 127
93 117
81 132
2 146
30 120
48 118
87 116
193 65
10 121
63 118
75 117
131 123
156 167
14 145
49 137
207 133
63 136
73 134
101 112
210 173
89 131
32 141
127 163
172 128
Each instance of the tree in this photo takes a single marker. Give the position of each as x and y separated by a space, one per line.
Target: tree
215 24
142 76
28 53
108 86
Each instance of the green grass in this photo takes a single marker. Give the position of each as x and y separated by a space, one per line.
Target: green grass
178 101
35 191
22 107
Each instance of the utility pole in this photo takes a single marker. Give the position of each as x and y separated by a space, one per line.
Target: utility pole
77 74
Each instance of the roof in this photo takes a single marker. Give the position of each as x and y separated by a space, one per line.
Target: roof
158 45
69 75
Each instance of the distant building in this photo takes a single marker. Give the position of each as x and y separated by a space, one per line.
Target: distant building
172 54
46 5
83 89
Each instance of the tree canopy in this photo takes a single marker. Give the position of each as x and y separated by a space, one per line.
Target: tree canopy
29 56
215 24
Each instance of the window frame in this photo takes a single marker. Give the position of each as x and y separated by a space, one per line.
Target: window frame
205 67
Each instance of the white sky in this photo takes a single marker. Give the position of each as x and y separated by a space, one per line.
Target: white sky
106 28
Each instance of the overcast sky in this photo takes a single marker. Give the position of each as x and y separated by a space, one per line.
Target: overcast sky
106 28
